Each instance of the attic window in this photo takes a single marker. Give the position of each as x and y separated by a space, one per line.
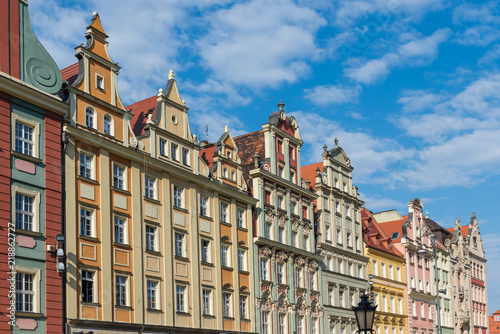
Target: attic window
99 82
228 154
174 119
395 235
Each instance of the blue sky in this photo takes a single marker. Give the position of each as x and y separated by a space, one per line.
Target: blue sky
411 88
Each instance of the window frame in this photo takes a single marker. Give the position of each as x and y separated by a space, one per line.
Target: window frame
102 85
181 298
35 214
126 293
155 292
226 255
150 190
225 212
95 295
240 218
180 244
185 153
206 301
204 205
35 139
207 258
163 149
244 307
227 304
94 117
91 168
111 127
124 227
93 231
123 178
242 259
174 151
151 242
178 201
35 285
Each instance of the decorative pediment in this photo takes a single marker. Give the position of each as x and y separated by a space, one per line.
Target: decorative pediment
265 252
266 302
313 265
281 257
307 229
295 224
282 218
316 310
270 214
301 306
283 303
300 262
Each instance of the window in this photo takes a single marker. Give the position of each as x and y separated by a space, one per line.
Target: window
174 152
420 285
314 326
206 300
86 161
339 236
292 176
240 218
205 251
180 293
348 239
178 198
412 280
300 325
121 235
330 296
298 276
304 212
294 238
228 154
398 273
204 206
328 237
227 305
384 303
263 270
265 323
279 273
268 230
185 156
341 298
328 263
224 216
86 222
348 211
375 267
150 187
226 256
25 292
279 203
337 207
281 323
357 243
414 309
361 273
293 207
400 306
225 172
233 175
87 283
349 269
395 235
89 118
281 171
121 283
312 281
118 176
163 147
281 234
291 152
150 238
242 259
427 287
25 212
243 307
179 245
391 271
152 295
25 139
280 146
382 269
99 82
422 310
341 266
411 257
108 125
306 242
345 187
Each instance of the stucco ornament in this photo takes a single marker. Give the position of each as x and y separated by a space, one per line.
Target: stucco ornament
281 219
283 303
301 306
266 302
313 265
265 252
316 310
307 229
295 224
281 257
299 261
270 215
267 167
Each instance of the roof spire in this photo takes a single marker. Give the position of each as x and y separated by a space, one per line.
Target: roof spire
426 213
325 148
281 105
336 142
226 129
171 75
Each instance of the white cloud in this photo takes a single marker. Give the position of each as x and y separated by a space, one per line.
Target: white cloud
329 94
418 100
426 47
481 35
470 12
490 56
261 44
373 70
378 203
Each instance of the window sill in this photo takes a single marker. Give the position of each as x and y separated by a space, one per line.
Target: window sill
228 318
244 229
90 304
245 272
338 214
225 223
152 252
183 313
227 268
124 307
176 208
86 179
29 314
123 191
209 316
208 264
181 258
155 310
27 232
151 200
86 237
26 157
120 245
206 217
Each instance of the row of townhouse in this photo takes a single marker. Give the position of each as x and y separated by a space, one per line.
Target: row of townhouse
123 221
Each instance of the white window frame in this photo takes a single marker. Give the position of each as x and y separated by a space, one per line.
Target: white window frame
174 151
205 251
150 187
91 168
181 300
299 276
280 273
35 214
94 284
242 259
36 287
227 304
126 285
117 178
204 206
185 156
264 269
94 118
224 212
102 85
240 218
35 140
179 244
265 322
300 324
163 147
120 228
244 314
178 197
151 238
111 127
206 301
154 290
328 236
92 221
281 234
225 255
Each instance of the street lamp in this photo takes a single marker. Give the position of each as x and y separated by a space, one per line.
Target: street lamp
365 314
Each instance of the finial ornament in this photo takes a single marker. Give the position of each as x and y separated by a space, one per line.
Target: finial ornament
281 105
94 13
226 129
325 148
160 91
426 214
171 75
336 142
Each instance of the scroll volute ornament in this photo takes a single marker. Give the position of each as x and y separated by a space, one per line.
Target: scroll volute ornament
270 215
281 219
313 265
265 253
299 261
295 225
307 229
281 257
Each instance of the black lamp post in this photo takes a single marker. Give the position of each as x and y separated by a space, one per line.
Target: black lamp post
365 314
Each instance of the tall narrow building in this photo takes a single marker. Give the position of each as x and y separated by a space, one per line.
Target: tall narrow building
339 238
31 115
286 267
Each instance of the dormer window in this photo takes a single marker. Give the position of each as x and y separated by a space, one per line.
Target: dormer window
185 156
233 175
99 82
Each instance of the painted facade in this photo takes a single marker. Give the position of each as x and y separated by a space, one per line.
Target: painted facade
286 266
340 238
412 237
31 116
468 275
387 267
494 322
154 238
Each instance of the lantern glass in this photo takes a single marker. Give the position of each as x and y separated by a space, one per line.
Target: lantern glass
365 314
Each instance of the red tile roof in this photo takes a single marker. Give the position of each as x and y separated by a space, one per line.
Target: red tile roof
496 313
463 229
140 110
309 172
248 145
70 73
207 154
375 236
394 226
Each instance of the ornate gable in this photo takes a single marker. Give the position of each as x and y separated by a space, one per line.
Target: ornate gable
474 238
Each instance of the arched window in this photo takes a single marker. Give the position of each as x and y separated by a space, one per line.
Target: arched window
89 118
108 125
